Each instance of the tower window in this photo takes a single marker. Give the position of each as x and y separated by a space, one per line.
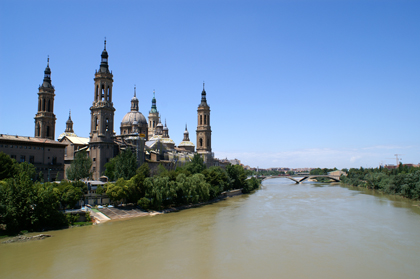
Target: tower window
201 142
39 105
153 123
43 104
102 92
208 142
201 120
97 93
48 131
106 125
96 124
108 95
49 105
205 119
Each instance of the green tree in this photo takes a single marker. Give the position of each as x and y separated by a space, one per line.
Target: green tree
218 180
250 185
8 166
196 165
136 188
125 165
17 200
117 191
110 169
237 176
46 210
69 194
80 167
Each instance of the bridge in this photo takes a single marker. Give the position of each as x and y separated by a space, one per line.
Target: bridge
299 178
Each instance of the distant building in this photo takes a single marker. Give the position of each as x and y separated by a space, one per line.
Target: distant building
46 155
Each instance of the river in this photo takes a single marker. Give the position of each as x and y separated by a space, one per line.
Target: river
283 230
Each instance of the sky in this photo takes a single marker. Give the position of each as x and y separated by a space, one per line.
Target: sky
290 83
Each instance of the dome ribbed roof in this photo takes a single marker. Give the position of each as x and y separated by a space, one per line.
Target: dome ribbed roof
186 143
134 115
162 139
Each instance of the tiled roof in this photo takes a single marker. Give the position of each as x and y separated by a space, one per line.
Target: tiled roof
30 140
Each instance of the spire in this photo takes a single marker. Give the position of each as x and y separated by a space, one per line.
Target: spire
47 75
134 101
103 68
69 124
69 116
154 109
186 134
203 97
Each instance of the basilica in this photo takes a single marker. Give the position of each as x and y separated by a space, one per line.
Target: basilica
148 138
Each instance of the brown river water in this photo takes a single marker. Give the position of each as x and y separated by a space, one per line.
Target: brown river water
283 230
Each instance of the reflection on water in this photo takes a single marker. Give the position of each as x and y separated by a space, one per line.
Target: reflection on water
284 230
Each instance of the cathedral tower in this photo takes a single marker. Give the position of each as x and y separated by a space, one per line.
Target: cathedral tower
204 130
101 139
45 118
153 117
69 125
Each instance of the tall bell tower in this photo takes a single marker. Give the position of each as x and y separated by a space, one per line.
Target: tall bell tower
204 130
153 117
101 139
45 117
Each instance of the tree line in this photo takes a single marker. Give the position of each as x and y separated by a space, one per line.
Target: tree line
26 203
403 181
192 183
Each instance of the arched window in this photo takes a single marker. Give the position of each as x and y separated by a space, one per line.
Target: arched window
96 124
48 131
201 120
49 105
205 119
103 93
106 125
39 105
208 142
201 142
97 93
38 130
153 123
43 104
108 95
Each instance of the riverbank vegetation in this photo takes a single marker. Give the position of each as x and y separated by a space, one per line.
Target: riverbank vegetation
403 181
193 183
28 204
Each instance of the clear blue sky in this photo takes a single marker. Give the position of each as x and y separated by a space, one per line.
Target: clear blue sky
289 83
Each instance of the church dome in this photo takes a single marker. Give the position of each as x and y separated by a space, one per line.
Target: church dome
134 115
186 143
